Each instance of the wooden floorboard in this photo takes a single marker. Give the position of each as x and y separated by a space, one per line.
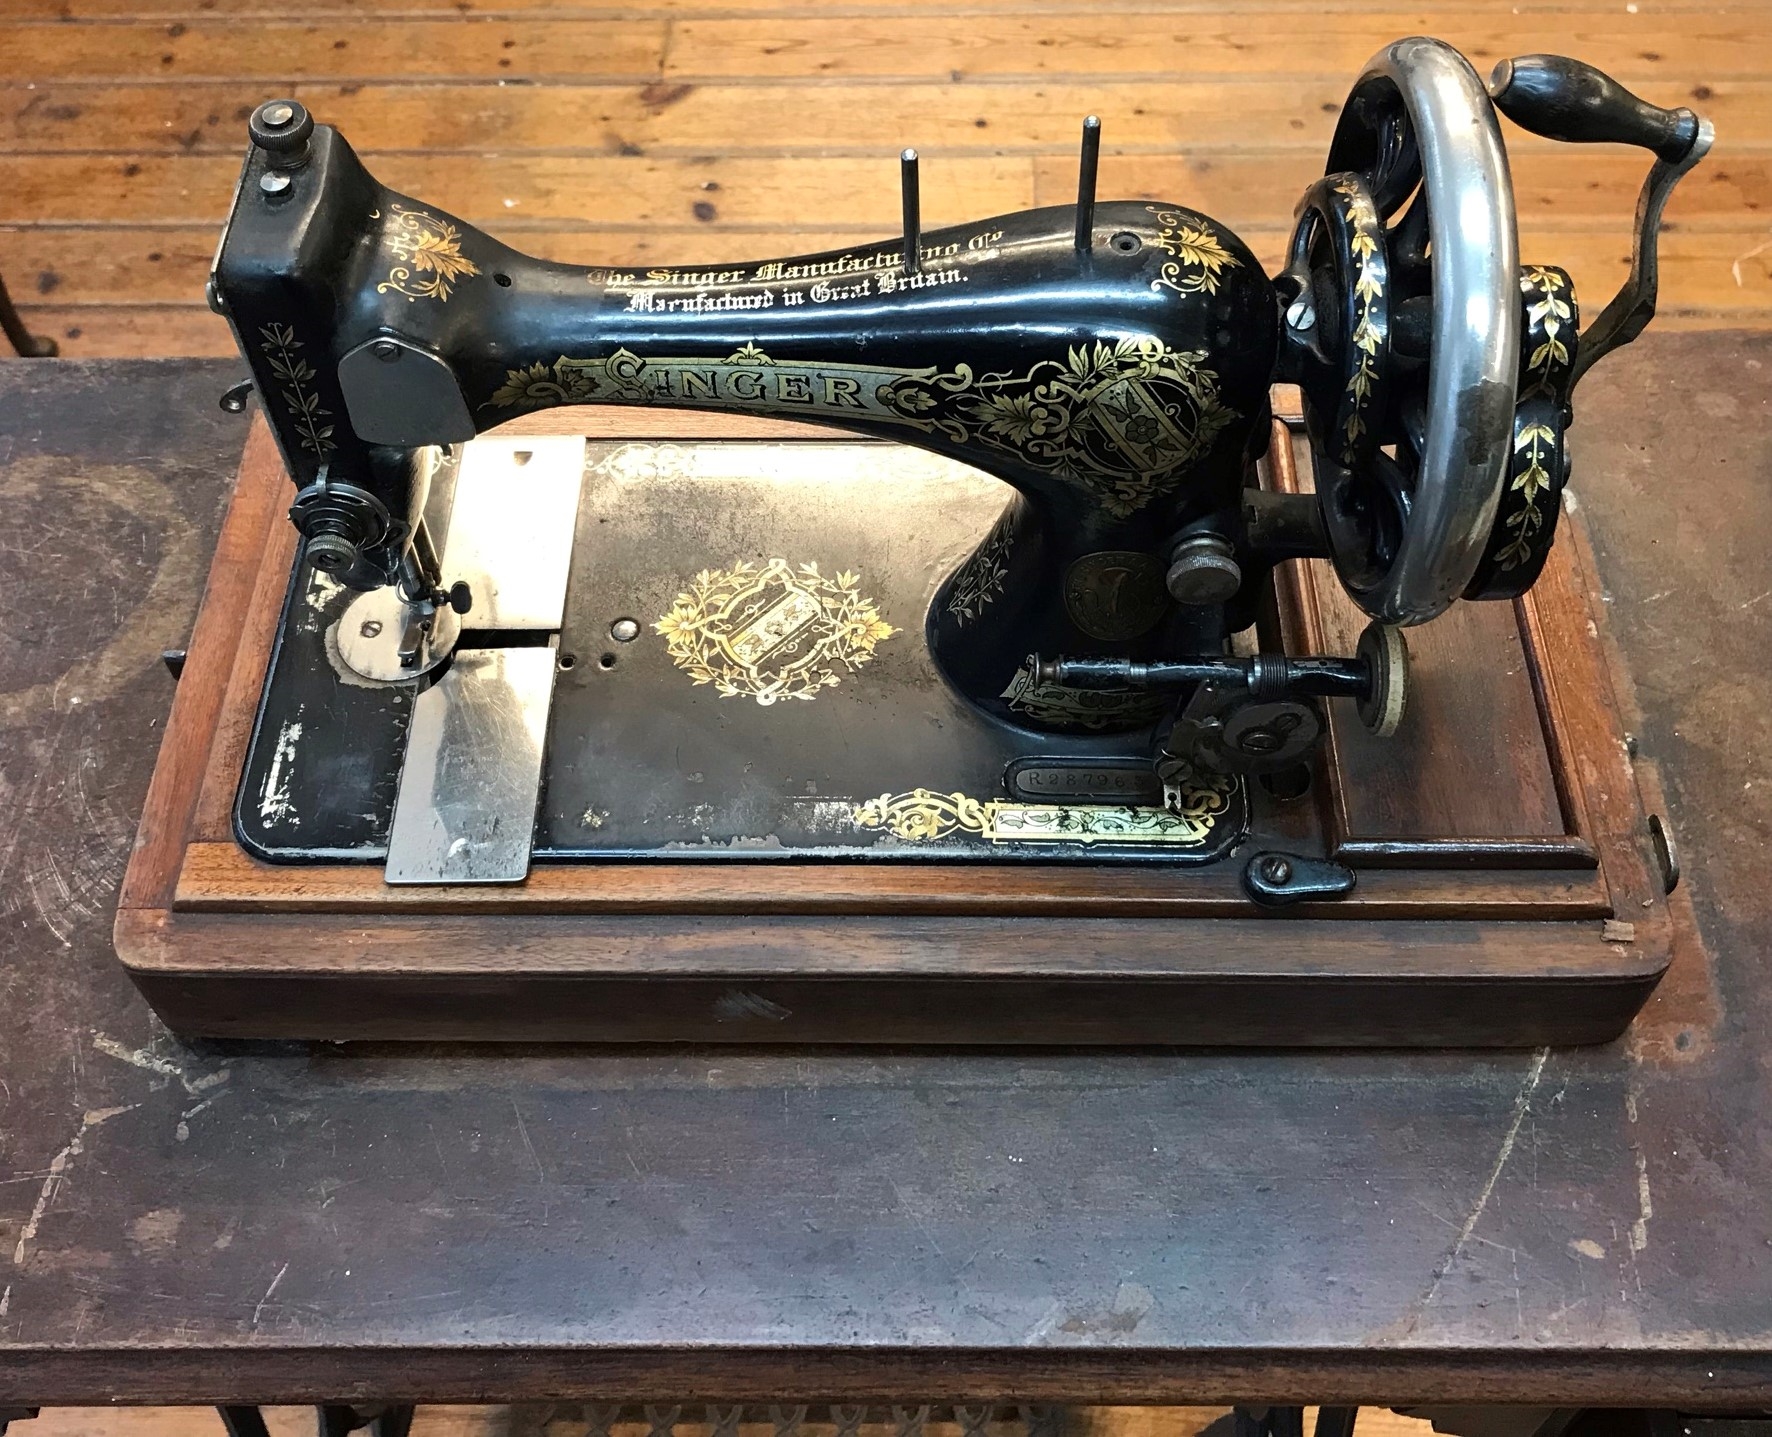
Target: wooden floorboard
692 131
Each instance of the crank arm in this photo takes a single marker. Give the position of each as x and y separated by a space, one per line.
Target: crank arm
1563 99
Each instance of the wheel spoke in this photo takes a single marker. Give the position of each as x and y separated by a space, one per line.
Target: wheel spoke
1391 484
1396 167
1411 273
1412 413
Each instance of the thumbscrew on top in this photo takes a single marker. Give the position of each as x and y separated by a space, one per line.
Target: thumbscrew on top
281 128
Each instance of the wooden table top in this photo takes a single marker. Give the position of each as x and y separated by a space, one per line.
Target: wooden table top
295 1223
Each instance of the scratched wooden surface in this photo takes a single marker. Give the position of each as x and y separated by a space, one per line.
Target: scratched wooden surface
185 1224
567 1420
706 130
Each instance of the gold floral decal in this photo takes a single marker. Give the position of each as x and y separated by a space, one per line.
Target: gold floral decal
981 577
771 632
1368 288
1077 708
541 386
1534 480
295 376
1118 419
424 245
1551 311
1197 256
1188 817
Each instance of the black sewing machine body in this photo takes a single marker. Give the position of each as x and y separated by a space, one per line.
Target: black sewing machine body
803 650
1123 392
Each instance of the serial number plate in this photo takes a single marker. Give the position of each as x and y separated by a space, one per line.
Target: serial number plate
1130 781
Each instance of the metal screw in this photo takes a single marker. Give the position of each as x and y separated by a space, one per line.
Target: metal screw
1276 869
370 628
1260 740
625 631
1300 315
276 116
385 350
273 182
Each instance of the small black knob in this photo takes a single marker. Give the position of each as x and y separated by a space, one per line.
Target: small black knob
281 128
461 597
332 553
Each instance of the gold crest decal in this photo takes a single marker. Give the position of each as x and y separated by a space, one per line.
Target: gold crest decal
427 256
1187 819
1122 420
772 632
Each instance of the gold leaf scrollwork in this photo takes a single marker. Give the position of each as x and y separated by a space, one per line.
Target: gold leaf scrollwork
1052 703
1121 420
540 386
922 814
1532 481
1188 817
427 256
1546 368
1365 225
1197 257
982 576
295 380
771 632
1548 310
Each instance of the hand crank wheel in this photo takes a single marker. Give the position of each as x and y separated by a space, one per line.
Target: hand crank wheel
1409 333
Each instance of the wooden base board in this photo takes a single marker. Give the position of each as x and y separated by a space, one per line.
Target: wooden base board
1507 896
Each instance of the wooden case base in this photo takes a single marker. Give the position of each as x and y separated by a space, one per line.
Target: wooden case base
1508 891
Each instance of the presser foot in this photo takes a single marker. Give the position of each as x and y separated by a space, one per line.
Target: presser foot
386 637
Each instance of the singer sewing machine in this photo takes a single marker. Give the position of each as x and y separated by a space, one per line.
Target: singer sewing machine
1052 689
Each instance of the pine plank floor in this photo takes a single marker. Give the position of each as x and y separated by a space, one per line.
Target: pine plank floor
695 131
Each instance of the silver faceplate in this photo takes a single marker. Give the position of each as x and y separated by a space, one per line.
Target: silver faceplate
510 531
466 808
